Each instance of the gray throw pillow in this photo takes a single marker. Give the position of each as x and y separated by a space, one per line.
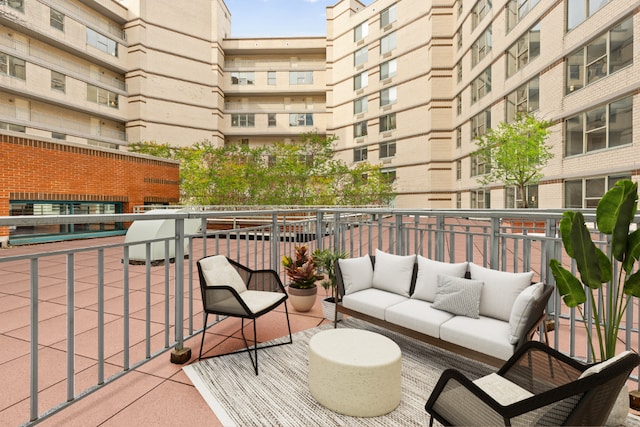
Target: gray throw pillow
458 296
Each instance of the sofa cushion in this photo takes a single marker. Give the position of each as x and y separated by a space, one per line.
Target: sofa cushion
521 310
372 301
500 290
217 271
486 335
393 273
427 279
357 273
457 295
417 315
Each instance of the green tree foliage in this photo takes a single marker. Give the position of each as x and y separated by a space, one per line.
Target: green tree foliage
516 152
279 174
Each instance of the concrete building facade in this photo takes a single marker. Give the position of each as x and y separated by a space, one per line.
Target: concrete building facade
406 83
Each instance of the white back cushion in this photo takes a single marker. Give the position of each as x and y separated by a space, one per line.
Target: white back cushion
427 279
521 310
357 273
218 272
598 367
500 290
393 273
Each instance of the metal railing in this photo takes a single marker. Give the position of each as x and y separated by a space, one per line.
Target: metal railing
509 240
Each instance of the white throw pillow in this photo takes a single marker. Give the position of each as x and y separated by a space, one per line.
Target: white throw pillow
500 290
218 272
458 296
357 273
427 280
521 310
393 273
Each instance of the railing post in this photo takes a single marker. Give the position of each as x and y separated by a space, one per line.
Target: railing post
275 242
439 252
494 249
400 249
319 230
180 354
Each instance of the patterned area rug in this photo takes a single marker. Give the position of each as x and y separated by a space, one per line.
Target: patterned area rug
280 396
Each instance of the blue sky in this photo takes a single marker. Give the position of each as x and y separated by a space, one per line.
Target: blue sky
274 18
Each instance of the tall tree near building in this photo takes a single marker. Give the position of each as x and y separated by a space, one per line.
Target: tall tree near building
515 153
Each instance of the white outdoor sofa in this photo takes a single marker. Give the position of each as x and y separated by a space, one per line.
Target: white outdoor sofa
478 312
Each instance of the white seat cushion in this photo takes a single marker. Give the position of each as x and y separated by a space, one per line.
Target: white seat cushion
357 273
521 310
486 335
500 290
218 272
255 300
372 301
502 390
393 273
427 279
417 315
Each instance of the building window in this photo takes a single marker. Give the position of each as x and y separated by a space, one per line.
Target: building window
58 81
458 137
300 77
360 129
304 119
603 127
56 19
481 85
587 192
102 96
388 16
15 4
387 43
479 11
459 39
481 47
459 200
524 50
361 80
57 135
271 78
360 154
360 105
458 105
243 78
458 170
479 166
579 10
388 122
360 56
518 9
525 99
605 55
389 175
387 149
244 142
388 69
480 199
480 123
246 120
513 197
271 120
459 71
388 96
12 66
361 31
12 127
101 42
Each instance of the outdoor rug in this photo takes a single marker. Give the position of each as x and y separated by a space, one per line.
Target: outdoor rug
280 396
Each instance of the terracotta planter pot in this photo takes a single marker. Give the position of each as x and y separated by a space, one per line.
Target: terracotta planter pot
302 299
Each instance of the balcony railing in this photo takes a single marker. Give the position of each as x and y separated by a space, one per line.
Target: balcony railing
509 240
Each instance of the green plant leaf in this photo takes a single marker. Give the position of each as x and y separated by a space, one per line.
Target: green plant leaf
606 267
615 212
633 251
565 231
569 287
632 284
585 253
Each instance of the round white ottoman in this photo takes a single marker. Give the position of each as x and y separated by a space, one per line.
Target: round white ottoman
355 372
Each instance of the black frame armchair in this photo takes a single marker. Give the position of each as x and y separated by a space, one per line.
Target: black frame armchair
234 290
559 393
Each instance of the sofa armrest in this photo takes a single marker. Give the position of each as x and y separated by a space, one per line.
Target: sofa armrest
537 316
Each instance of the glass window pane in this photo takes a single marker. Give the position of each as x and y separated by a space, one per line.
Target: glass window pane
620 122
576 13
574 136
621 50
573 194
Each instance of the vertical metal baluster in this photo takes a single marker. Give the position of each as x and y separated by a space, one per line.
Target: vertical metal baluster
34 340
70 328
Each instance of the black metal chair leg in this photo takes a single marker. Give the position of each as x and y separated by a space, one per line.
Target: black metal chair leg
204 329
286 310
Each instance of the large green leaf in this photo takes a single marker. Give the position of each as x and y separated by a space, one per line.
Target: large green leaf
615 212
585 253
632 284
606 267
565 231
569 287
633 251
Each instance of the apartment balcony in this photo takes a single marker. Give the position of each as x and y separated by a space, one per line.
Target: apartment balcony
105 326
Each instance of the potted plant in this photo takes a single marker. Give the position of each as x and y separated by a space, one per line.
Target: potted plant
301 271
614 214
326 259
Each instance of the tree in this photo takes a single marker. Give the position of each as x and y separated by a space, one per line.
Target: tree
304 173
515 152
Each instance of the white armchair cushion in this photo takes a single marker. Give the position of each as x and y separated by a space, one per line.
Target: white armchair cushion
218 272
393 273
427 279
502 390
457 295
500 290
357 273
598 367
521 310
